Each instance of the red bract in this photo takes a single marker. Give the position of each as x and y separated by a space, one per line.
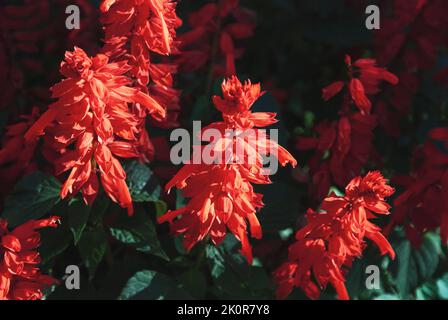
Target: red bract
222 196
90 125
349 142
213 38
20 277
423 206
365 78
16 154
139 32
411 33
344 147
327 245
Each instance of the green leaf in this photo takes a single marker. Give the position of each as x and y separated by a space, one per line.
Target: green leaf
215 260
427 291
147 284
78 214
414 266
442 287
92 246
142 182
33 196
161 207
139 231
433 290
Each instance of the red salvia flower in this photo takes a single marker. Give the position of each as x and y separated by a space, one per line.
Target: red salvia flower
213 38
90 125
411 34
140 32
349 141
20 277
222 196
364 80
17 154
344 146
327 245
423 205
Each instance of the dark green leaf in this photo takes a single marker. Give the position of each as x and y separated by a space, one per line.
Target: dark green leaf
142 183
414 266
215 260
139 232
33 196
78 214
92 246
147 284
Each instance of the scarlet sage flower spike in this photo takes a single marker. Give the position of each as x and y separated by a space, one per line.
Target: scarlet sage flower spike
20 277
331 240
90 125
423 204
222 195
16 154
143 32
364 80
215 31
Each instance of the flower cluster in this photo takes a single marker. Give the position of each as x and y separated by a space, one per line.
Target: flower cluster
349 139
409 39
143 33
90 125
222 195
17 154
331 240
423 205
20 278
364 79
215 29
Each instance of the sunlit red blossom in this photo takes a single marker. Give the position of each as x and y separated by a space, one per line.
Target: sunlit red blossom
20 277
90 125
341 149
327 245
222 195
364 80
17 154
140 32
423 205
214 39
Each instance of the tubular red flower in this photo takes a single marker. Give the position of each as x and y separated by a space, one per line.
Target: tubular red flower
20 278
423 205
213 38
139 32
327 245
17 154
222 196
90 125
365 78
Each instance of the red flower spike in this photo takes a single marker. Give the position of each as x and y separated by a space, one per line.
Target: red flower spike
365 78
327 245
20 278
92 115
222 195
